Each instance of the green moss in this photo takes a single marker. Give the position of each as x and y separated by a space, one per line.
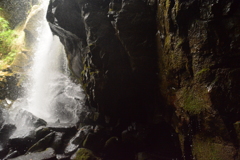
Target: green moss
207 149
168 2
193 103
202 71
8 47
84 154
167 43
180 42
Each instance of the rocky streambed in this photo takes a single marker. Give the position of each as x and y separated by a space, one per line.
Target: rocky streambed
91 138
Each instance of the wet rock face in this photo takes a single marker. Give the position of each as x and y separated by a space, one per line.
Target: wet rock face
16 11
111 48
198 45
9 85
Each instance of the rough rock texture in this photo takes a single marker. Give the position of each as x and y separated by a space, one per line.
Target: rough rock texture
9 85
16 11
112 51
198 46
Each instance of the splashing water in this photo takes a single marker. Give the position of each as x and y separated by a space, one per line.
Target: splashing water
51 95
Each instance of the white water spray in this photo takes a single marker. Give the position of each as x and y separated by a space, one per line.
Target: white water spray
51 96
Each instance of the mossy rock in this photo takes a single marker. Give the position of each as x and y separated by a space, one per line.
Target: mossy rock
84 154
208 149
194 101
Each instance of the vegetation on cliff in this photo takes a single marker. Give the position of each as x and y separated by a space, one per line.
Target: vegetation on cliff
8 45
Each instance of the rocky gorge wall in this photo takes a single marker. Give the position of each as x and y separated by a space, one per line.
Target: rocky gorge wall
198 46
153 61
116 43
161 77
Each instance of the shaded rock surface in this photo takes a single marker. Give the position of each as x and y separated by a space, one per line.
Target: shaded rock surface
193 60
112 51
198 47
44 155
160 77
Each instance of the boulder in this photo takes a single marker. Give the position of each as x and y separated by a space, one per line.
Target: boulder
42 131
77 140
21 140
83 154
11 155
69 128
25 118
44 155
6 131
42 144
57 143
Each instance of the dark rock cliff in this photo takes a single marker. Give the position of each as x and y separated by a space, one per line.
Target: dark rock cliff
117 50
170 67
198 46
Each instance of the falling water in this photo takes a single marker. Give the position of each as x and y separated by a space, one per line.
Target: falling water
51 95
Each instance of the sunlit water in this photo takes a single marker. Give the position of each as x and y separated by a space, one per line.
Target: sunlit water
51 95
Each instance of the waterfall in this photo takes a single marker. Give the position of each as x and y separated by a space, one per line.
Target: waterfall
51 95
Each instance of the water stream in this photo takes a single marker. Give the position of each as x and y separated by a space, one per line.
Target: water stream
51 95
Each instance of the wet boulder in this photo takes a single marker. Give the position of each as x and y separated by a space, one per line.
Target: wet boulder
88 117
41 132
62 157
84 154
25 118
11 155
47 154
113 148
5 132
57 142
77 140
21 140
42 144
69 128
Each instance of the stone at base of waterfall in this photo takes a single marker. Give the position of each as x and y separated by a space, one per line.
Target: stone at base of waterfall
78 139
66 107
25 118
11 155
92 142
21 140
62 157
44 155
57 142
5 132
42 144
88 117
113 148
42 131
63 127
84 154
3 150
